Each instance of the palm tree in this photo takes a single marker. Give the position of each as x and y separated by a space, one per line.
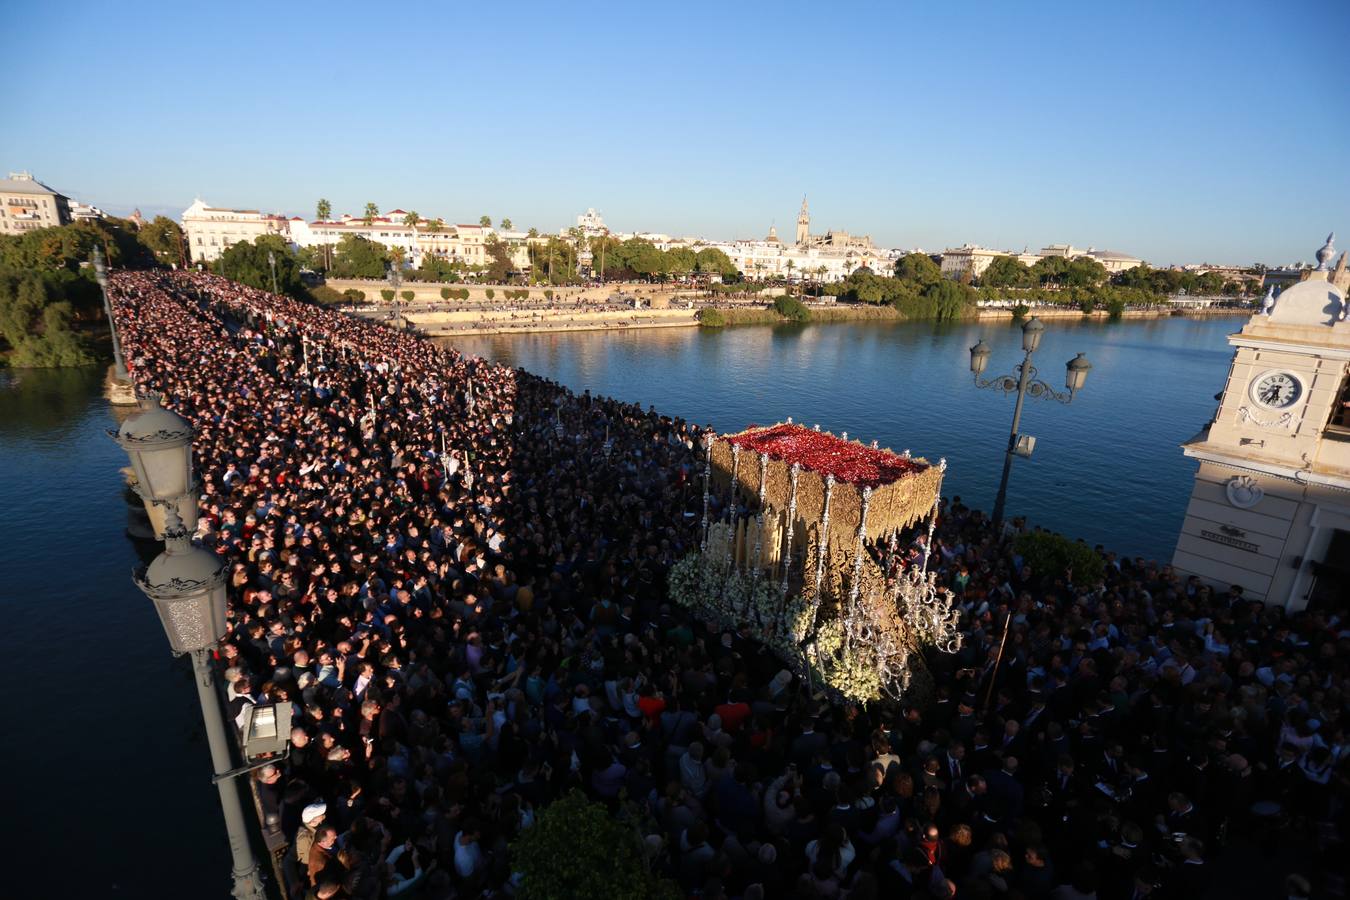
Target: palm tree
410 221
324 210
485 221
506 224
371 212
533 233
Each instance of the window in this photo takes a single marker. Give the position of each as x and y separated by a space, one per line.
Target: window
1339 423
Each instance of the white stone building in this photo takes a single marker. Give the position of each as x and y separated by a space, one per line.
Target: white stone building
1270 509
211 229
969 260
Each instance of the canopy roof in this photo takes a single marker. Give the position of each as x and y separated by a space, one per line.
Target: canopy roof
822 452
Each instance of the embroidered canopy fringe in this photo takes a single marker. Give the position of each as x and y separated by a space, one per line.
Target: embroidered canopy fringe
904 489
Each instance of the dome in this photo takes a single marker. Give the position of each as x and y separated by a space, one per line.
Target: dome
1312 302
773 236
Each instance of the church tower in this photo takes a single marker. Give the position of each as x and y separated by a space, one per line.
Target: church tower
1270 509
803 225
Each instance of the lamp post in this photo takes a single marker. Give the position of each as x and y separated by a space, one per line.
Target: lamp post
1024 383
395 278
101 275
272 261
186 583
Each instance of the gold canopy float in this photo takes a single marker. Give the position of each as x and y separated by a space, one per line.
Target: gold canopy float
802 553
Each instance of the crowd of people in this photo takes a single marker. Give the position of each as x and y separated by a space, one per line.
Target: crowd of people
455 572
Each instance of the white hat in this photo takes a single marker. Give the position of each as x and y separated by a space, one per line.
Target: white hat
313 812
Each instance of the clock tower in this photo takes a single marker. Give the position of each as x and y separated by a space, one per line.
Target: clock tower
1270 509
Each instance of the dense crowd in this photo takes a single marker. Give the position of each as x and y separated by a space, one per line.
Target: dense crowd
455 571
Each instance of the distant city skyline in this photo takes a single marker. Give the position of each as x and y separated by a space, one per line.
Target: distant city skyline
1176 133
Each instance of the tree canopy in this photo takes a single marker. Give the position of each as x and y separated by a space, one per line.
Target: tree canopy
359 257
164 238
1007 271
47 286
247 263
576 848
917 268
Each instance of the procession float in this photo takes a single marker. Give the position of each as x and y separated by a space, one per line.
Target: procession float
799 545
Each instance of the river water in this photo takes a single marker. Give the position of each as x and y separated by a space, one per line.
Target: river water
107 772
1106 468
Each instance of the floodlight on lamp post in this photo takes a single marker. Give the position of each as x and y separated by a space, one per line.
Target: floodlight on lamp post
186 583
1025 383
272 261
101 276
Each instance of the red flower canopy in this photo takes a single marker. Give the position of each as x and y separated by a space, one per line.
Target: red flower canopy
818 451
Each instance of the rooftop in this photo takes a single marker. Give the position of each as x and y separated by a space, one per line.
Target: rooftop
24 183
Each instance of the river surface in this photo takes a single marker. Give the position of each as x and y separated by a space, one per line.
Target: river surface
1106 468
107 774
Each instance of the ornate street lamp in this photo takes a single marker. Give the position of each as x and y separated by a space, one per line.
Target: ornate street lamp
155 439
186 583
101 276
1025 383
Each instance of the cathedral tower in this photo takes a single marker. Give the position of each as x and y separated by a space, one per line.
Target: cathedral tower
803 225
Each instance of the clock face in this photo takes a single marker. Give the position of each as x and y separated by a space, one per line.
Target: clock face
1277 390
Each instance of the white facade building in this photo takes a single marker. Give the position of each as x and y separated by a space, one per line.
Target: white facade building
969 260
770 258
210 229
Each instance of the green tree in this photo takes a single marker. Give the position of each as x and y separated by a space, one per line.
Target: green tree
680 261
711 317
1054 556
485 221
248 263
323 209
576 848
791 309
918 268
533 233
1084 271
358 257
371 212
36 322
1007 271
950 300
506 224
434 268
711 261
499 265
642 258
163 238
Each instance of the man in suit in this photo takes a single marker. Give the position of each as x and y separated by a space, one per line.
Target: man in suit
1004 784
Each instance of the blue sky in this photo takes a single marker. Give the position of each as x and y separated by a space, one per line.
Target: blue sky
1180 132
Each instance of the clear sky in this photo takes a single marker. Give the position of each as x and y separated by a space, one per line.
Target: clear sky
1176 131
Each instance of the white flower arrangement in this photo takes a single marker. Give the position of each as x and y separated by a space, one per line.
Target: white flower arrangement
861 650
